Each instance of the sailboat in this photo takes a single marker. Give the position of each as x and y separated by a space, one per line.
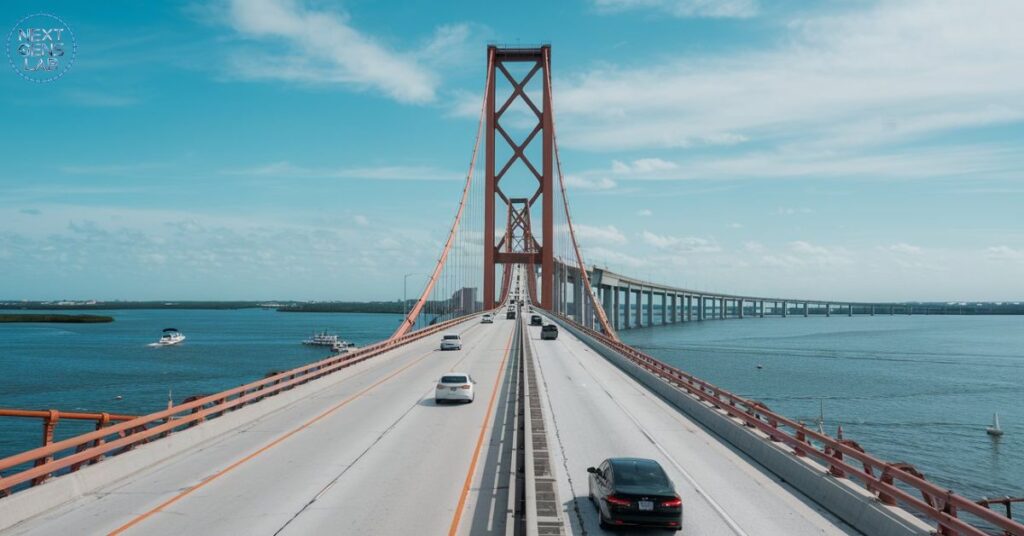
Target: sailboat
994 430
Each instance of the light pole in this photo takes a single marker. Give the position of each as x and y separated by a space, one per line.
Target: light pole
405 299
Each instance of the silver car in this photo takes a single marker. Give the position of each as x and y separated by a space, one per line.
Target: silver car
451 341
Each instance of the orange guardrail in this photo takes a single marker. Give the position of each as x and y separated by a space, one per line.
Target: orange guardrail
71 454
879 477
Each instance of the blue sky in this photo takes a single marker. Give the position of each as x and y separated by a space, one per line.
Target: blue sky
313 150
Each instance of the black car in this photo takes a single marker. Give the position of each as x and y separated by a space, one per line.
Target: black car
634 491
536 320
549 332
510 314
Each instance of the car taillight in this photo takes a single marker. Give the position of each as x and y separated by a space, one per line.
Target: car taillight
467 386
672 503
617 501
440 386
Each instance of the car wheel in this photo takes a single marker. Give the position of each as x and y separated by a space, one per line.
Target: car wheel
437 401
600 520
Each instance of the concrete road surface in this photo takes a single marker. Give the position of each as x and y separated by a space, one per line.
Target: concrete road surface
594 411
367 452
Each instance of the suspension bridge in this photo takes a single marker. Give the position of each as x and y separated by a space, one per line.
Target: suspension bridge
357 444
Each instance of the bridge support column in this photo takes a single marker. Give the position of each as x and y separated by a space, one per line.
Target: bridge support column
640 307
761 314
785 309
700 307
606 302
626 316
721 310
577 299
675 310
741 304
664 308
850 310
806 309
872 310
650 307
615 298
828 309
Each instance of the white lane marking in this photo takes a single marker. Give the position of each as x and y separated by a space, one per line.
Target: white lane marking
700 489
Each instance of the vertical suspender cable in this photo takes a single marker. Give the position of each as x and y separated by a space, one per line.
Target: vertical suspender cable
601 316
410 319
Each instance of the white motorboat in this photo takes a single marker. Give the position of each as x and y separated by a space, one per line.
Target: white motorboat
343 346
170 337
321 339
994 430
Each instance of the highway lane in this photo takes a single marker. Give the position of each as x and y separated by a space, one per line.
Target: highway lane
594 411
367 452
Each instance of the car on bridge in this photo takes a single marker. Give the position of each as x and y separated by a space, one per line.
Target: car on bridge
455 386
487 319
510 314
549 332
451 341
634 491
536 320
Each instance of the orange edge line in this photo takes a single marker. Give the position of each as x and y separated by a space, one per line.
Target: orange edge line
268 446
457 518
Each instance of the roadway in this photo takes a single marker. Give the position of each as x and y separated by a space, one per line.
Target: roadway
595 411
366 452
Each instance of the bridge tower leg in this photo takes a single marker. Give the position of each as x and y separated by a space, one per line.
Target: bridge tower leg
537 60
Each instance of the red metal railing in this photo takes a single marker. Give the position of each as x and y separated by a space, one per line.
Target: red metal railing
877 476
71 454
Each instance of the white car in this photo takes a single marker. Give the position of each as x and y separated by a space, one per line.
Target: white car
456 386
487 319
451 341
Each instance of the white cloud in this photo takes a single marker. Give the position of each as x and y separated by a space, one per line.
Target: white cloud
790 211
833 98
589 234
1005 253
685 8
288 170
642 166
644 212
906 249
685 243
361 220
583 183
735 225
322 47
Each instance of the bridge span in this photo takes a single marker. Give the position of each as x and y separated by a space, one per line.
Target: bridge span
366 450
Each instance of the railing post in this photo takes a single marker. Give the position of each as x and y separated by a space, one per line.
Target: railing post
49 424
950 509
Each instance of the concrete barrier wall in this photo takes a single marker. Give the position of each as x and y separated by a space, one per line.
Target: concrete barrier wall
847 500
65 488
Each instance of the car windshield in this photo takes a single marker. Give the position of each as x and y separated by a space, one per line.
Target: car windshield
549 327
639 473
454 379
451 337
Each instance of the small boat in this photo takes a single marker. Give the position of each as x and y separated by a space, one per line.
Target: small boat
994 430
170 337
343 346
321 339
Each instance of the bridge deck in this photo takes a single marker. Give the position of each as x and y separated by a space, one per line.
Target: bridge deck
595 411
368 452
383 459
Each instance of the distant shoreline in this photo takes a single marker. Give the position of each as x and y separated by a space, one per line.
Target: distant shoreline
55 319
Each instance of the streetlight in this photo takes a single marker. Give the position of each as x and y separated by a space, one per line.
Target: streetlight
405 299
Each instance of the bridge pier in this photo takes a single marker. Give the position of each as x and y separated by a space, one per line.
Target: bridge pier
828 309
761 314
615 306
872 310
849 311
664 308
741 308
639 318
689 308
650 307
721 309
626 310
700 308
785 309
